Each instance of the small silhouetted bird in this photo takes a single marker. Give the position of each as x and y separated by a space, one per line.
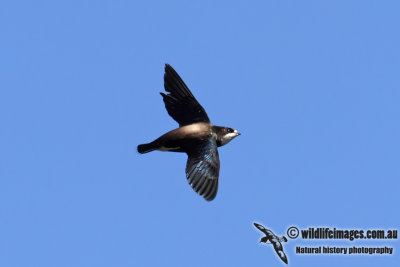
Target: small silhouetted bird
196 136
274 240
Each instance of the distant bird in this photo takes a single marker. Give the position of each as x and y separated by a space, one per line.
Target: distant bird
196 136
274 240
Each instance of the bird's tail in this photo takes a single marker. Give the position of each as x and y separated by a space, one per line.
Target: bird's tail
145 148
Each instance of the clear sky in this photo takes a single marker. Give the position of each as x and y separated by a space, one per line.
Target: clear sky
313 86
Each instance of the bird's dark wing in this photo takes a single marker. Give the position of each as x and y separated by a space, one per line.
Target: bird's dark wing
202 167
181 105
261 228
279 250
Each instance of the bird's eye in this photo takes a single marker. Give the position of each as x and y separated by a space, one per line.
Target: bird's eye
229 130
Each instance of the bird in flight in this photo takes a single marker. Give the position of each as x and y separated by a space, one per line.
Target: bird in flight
274 240
196 136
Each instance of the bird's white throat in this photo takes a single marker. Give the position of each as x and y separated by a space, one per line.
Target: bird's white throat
227 138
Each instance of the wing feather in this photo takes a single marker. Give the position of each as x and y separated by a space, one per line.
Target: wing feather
180 103
280 252
261 228
202 168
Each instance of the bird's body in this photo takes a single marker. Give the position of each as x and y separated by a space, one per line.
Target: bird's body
196 136
175 140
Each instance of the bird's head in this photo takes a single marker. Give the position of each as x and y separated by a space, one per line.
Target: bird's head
225 135
264 239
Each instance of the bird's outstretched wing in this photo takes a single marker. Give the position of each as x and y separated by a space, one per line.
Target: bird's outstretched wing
180 103
261 228
279 250
202 167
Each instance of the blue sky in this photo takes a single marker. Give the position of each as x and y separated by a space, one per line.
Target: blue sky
313 86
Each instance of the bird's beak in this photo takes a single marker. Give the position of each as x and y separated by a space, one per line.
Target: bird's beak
237 133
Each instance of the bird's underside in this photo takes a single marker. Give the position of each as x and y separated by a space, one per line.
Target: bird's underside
178 140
